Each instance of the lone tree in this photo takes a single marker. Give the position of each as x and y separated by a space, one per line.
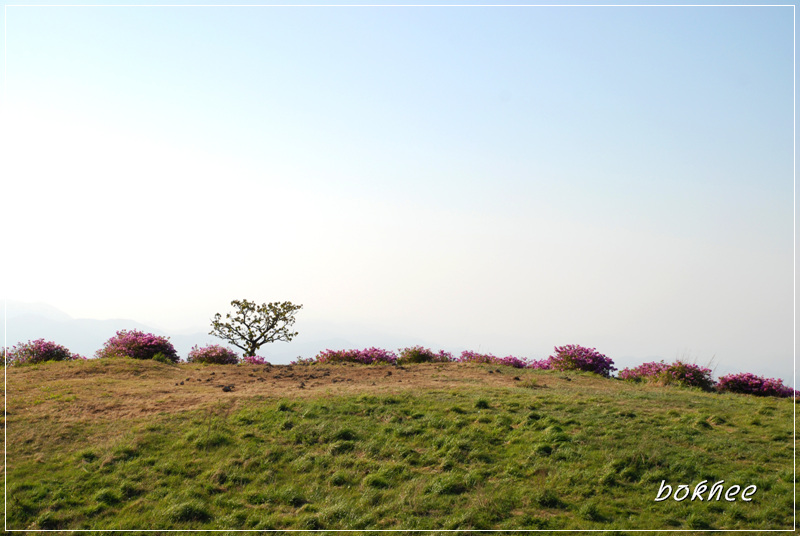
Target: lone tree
251 326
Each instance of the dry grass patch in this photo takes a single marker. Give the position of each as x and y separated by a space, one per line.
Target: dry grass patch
106 390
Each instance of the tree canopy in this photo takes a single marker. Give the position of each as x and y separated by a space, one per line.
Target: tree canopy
251 326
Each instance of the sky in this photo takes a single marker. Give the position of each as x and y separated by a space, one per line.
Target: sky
501 179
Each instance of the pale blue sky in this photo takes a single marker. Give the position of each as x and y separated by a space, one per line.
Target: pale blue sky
509 178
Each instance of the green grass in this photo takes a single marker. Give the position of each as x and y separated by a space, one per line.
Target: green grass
564 457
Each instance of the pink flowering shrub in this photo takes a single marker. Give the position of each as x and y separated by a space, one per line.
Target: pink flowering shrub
418 354
138 345
644 372
367 356
255 360
540 364
468 356
690 375
213 354
686 374
751 384
38 351
511 361
574 357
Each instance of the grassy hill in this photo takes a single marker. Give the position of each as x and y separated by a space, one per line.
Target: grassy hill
125 444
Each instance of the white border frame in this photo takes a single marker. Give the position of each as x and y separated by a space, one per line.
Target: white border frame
794 268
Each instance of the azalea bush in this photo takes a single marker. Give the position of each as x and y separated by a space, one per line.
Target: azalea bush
540 364
255 360
679 372
38 351
468 356
418 354
689 375
751 384
367 356
574 357
213 354
511 361
137 345
644 372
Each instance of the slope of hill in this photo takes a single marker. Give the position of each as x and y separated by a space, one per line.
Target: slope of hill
124 444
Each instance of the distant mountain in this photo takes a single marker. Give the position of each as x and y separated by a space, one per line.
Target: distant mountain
15 309
30 321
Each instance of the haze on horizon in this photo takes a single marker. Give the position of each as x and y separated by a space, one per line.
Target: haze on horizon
506 179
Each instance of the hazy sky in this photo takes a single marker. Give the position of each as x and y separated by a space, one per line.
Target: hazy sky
497 178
